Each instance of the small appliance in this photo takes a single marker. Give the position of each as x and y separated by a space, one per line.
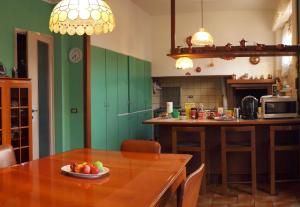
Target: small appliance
249 107
279 107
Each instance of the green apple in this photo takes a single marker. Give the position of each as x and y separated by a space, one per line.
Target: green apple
98 165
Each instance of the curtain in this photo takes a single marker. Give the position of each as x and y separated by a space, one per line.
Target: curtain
287 39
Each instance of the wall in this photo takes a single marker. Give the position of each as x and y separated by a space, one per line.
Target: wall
225 26
30 14
132 35
68 94
34 15
204 90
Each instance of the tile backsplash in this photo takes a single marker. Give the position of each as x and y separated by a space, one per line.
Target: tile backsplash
204 90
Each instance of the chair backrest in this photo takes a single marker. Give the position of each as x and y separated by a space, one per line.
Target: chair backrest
7 156
140 146
191 188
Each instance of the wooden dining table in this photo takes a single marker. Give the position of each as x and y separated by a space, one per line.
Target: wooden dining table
135 180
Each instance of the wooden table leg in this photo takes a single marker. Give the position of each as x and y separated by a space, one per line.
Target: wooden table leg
179 195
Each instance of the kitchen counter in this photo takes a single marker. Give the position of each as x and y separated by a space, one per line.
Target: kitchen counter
160 121
239 165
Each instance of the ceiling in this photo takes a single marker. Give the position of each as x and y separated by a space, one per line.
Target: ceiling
158 7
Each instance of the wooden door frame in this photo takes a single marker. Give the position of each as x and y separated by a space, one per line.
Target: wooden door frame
87 91
49 40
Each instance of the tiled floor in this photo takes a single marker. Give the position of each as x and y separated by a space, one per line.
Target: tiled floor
288 196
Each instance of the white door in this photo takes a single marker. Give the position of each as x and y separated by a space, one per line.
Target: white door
40 71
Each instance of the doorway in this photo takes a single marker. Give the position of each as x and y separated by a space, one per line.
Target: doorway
37 65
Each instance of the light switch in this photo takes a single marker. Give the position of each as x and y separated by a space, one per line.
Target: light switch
74 110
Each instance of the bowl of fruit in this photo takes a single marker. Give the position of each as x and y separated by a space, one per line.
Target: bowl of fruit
85 170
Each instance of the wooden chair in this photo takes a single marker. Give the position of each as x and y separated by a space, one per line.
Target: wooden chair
140 146
7 156
197 146
191 187
280 148
237 148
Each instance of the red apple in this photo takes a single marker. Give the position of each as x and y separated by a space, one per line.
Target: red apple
94 170
86 169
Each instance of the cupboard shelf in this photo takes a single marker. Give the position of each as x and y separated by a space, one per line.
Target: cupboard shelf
16 123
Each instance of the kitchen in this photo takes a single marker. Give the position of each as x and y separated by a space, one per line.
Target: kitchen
138 103
222 102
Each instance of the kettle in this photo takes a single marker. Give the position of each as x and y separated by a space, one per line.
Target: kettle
249 108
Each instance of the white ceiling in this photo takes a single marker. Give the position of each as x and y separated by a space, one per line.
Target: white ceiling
157 7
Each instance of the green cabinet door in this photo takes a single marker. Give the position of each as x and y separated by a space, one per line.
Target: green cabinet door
140 127
148 129
144 131
133 125
123 129
112 99
148 85
123 84
132 84
140 85
98 98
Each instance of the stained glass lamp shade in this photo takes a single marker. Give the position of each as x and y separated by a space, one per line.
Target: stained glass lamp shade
82 17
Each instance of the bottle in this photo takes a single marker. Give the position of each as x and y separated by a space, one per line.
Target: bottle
194 113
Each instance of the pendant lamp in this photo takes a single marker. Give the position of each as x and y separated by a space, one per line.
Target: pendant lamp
202 37
184 63
82 17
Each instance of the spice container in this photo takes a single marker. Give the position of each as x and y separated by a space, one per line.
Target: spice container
188 107
201 115
236 113
193 113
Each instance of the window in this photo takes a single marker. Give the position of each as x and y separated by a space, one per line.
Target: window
286 40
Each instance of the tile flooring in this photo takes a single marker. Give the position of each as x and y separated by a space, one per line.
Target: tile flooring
288 196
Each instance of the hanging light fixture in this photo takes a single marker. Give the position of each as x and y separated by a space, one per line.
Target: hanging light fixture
202 37
82 17
184 63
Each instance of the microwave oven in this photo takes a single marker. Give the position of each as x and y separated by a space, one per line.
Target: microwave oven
279 107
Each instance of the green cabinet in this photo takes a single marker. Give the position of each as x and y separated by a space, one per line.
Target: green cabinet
133 125
98 98
121 98
123 129
148 86
133 84
112 99
140 86
123 84
148 130
144 131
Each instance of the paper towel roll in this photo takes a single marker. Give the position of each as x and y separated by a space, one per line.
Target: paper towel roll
169 107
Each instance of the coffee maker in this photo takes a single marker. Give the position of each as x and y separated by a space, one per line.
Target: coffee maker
249 108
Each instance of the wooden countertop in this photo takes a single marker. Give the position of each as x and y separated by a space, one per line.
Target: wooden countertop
160 121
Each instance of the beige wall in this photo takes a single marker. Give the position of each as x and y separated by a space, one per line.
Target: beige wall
132 35
205 90
225 26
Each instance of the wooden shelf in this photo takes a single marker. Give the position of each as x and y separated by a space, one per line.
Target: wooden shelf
264 81
22 127
235 51
19 107
23 147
